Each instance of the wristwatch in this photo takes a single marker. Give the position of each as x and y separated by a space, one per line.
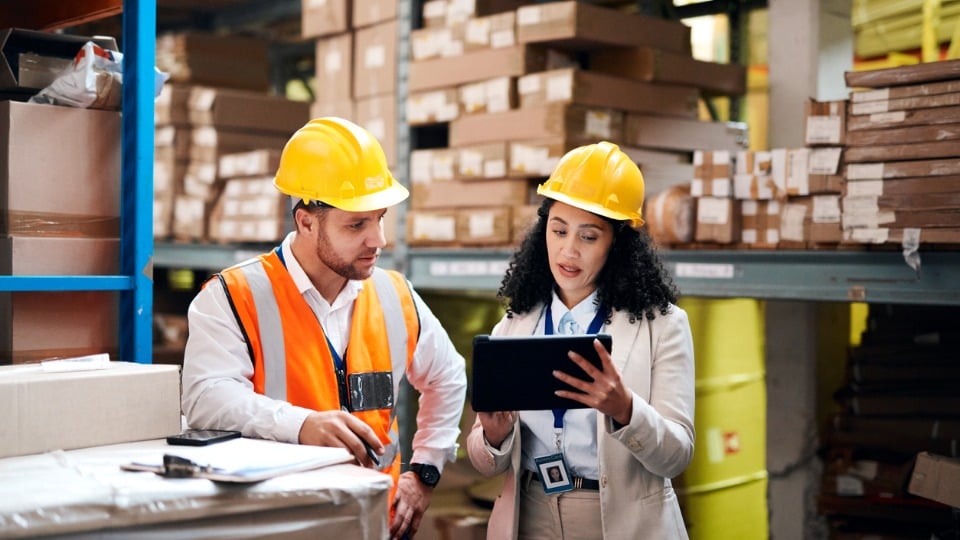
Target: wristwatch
428 474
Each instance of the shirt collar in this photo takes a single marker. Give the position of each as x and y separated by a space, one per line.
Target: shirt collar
583 312
304 285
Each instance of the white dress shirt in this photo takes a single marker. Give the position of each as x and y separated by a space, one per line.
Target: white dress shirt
217 370
579 437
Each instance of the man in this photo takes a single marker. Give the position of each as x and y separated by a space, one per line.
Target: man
308 343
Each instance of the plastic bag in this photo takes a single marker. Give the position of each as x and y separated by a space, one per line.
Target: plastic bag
93 81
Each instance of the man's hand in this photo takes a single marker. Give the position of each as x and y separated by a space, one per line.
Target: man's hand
409 504
343 430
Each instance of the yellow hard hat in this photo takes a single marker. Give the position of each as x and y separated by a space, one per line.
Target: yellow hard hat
598 178
337 162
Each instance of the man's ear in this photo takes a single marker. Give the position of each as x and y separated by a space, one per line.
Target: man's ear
304 220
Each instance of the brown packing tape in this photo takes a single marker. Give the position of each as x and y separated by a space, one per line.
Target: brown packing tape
64 225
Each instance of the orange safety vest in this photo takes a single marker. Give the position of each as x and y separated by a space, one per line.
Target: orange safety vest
299 368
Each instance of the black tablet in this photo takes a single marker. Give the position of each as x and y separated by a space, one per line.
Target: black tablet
515 373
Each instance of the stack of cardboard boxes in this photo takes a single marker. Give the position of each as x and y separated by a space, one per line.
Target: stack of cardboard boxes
198 124
356 69
520 87
903 139
59 207
784 198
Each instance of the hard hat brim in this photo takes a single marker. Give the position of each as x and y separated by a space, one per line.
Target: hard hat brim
386 198
635 220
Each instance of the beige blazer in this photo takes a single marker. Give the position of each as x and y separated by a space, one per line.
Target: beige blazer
637 461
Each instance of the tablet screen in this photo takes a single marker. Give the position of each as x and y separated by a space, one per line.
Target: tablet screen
515 373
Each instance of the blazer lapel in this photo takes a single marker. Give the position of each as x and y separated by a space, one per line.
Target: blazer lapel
625 337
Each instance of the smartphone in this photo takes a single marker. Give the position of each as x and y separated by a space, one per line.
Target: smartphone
201 437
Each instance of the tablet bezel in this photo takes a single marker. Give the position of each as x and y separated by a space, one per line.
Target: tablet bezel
505 367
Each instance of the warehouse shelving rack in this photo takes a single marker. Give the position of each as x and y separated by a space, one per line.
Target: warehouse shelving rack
135 280
827 276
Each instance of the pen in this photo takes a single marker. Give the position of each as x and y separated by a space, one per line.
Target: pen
370 452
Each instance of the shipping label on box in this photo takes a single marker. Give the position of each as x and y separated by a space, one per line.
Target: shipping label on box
432 227
483 226
492 31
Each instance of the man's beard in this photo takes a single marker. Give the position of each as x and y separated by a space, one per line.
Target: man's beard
329 257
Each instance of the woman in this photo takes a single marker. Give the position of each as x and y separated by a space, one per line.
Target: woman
587 258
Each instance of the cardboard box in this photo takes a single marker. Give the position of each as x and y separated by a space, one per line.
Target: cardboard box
718 220
29 59
492 95
522 218
252 163
431 227
686 134
190 215
375 60
712 173
537 158
902 169
760 225
476 66
333 69
378 115
340 109
906 134
904 75
221 61
432 107
246 111
470 193
249 210
69 175
490 32
902 151
44 411
443 42
483 226
905 186
210 143
669 215
483 161
658 66
553 121
433 165
937 478
324 17
582 26
905 104
170 107
896 119
461 11
896 235
369 12
52 256
574 86
826 122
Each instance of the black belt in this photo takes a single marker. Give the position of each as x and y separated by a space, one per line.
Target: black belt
578 482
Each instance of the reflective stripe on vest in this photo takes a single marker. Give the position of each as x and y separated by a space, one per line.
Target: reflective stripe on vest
255 303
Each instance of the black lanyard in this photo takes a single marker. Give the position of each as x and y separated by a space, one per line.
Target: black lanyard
594 327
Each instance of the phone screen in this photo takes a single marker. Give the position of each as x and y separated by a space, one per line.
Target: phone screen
202 437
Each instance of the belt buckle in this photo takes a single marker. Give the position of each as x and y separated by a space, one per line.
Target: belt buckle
577 482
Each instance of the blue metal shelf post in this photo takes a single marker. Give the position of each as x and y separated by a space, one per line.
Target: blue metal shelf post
136 205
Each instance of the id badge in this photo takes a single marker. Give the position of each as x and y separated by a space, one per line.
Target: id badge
554 475
370 391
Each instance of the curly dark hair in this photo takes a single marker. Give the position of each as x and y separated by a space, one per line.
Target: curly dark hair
632 280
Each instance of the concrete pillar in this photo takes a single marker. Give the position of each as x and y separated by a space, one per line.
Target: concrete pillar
810 45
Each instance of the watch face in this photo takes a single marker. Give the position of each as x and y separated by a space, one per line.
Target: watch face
428 474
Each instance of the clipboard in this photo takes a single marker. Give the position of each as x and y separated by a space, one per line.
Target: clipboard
515 373
239 461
